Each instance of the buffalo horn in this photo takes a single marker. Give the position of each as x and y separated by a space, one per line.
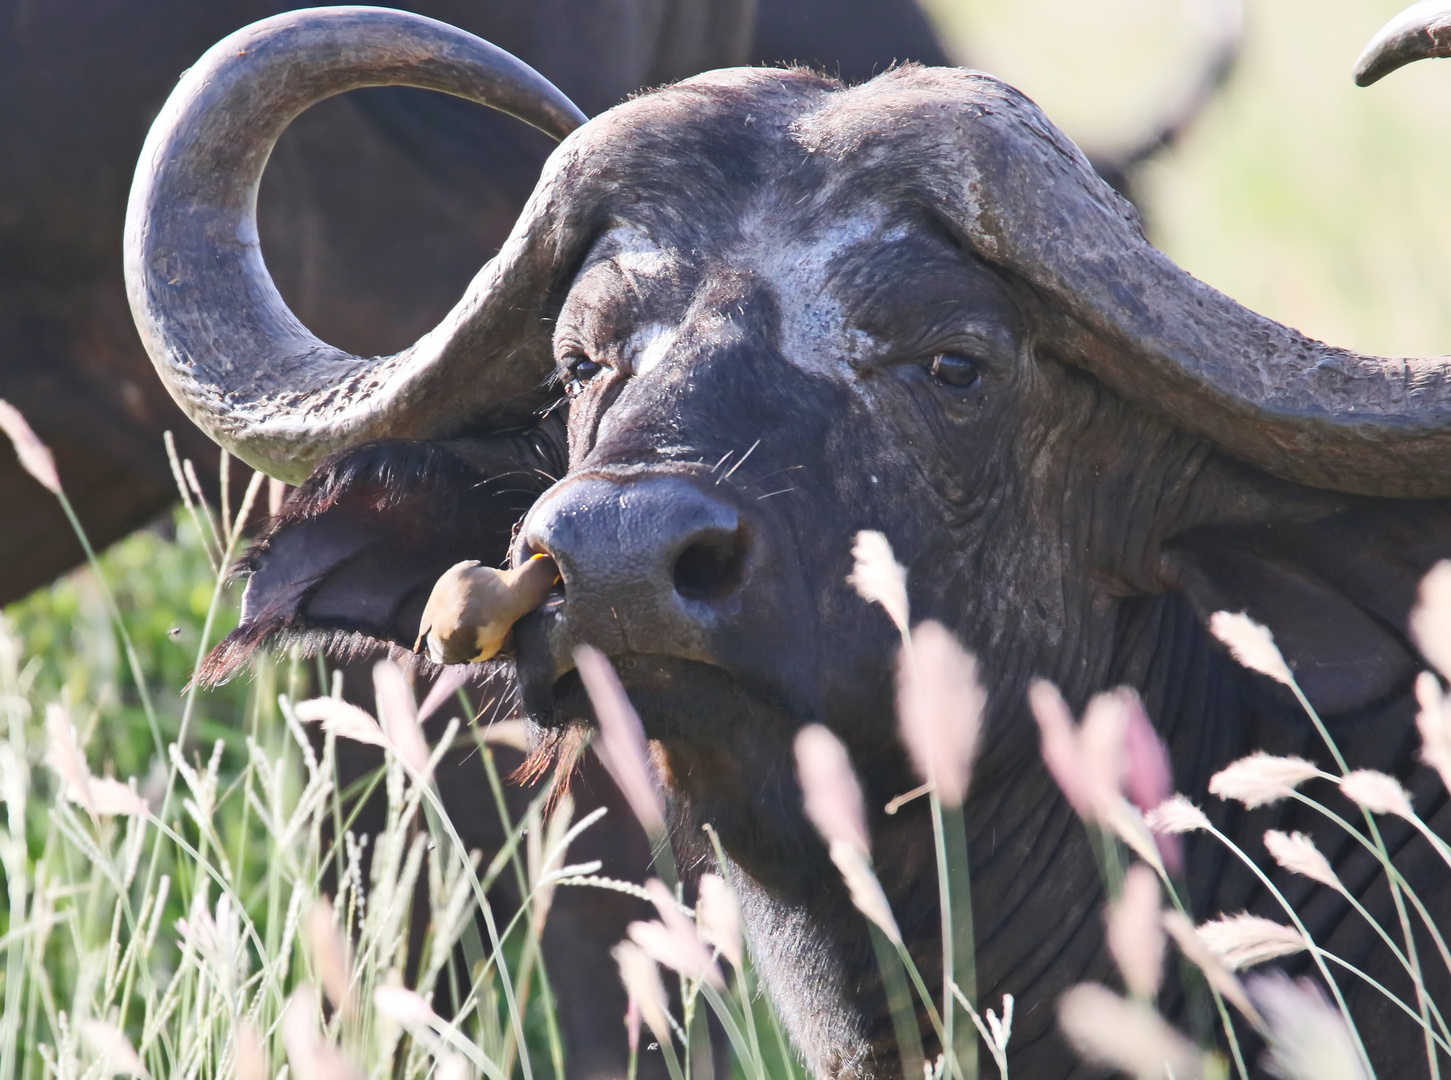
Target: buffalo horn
1421 32
1026 199
230 351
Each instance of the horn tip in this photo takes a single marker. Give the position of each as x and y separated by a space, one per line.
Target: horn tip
1420 32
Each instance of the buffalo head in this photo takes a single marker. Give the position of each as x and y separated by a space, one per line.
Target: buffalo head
742 318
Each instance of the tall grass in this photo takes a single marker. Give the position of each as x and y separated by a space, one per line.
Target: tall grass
210 910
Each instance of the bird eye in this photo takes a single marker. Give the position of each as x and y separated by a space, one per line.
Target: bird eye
955 370
581 370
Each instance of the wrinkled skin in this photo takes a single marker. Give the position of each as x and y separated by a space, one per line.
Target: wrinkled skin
747 351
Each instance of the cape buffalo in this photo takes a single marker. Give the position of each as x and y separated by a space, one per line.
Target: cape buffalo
377 210
743 317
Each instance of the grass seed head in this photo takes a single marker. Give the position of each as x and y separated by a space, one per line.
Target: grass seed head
1215 973
405 1007
307 1053
398 716
718 916
674 940
1308 1039
1434 723
63 755
35 457
1251 644
642 982
1377 792
1177 814
879 578
1135 933
111 798
330 955
1431 618
866 891
341 719
1126 1035
249 1058
1244 940
1261 779
1148 773
830 791
621 746
1298 854
113 1049
1059 735
940 702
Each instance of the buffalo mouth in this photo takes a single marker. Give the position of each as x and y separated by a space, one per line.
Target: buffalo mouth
678 698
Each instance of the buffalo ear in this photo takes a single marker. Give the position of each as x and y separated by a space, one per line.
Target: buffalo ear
349 560
1336 592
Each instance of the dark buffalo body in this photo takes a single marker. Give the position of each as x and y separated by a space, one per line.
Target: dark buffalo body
755 312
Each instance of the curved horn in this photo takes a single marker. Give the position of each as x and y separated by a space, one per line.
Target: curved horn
239 363
1023 197
1421 32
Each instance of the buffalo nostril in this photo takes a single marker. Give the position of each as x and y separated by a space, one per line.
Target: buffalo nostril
711 568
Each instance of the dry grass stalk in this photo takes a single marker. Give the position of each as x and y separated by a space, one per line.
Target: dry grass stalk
1251 644
673 941
673 951
63 755
1261 779
1431 618
249 1058
307 1053
1126 1035
1308 1038
642 982
1135 935
1101 747
1244 940
112 798
405 1007
940 702
112 1048
1091 763
830 791
35 457
1148 773
1434 723
879 578
1060 750
448 683
718 918
329 952
621 746
632 1025
398 716
341 719
866 891
1215 973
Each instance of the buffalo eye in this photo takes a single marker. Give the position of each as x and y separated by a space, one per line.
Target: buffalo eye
581 370
954 370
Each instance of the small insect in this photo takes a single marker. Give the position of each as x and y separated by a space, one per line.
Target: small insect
472 608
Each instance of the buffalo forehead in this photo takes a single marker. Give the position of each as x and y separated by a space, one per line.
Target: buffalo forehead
788 177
